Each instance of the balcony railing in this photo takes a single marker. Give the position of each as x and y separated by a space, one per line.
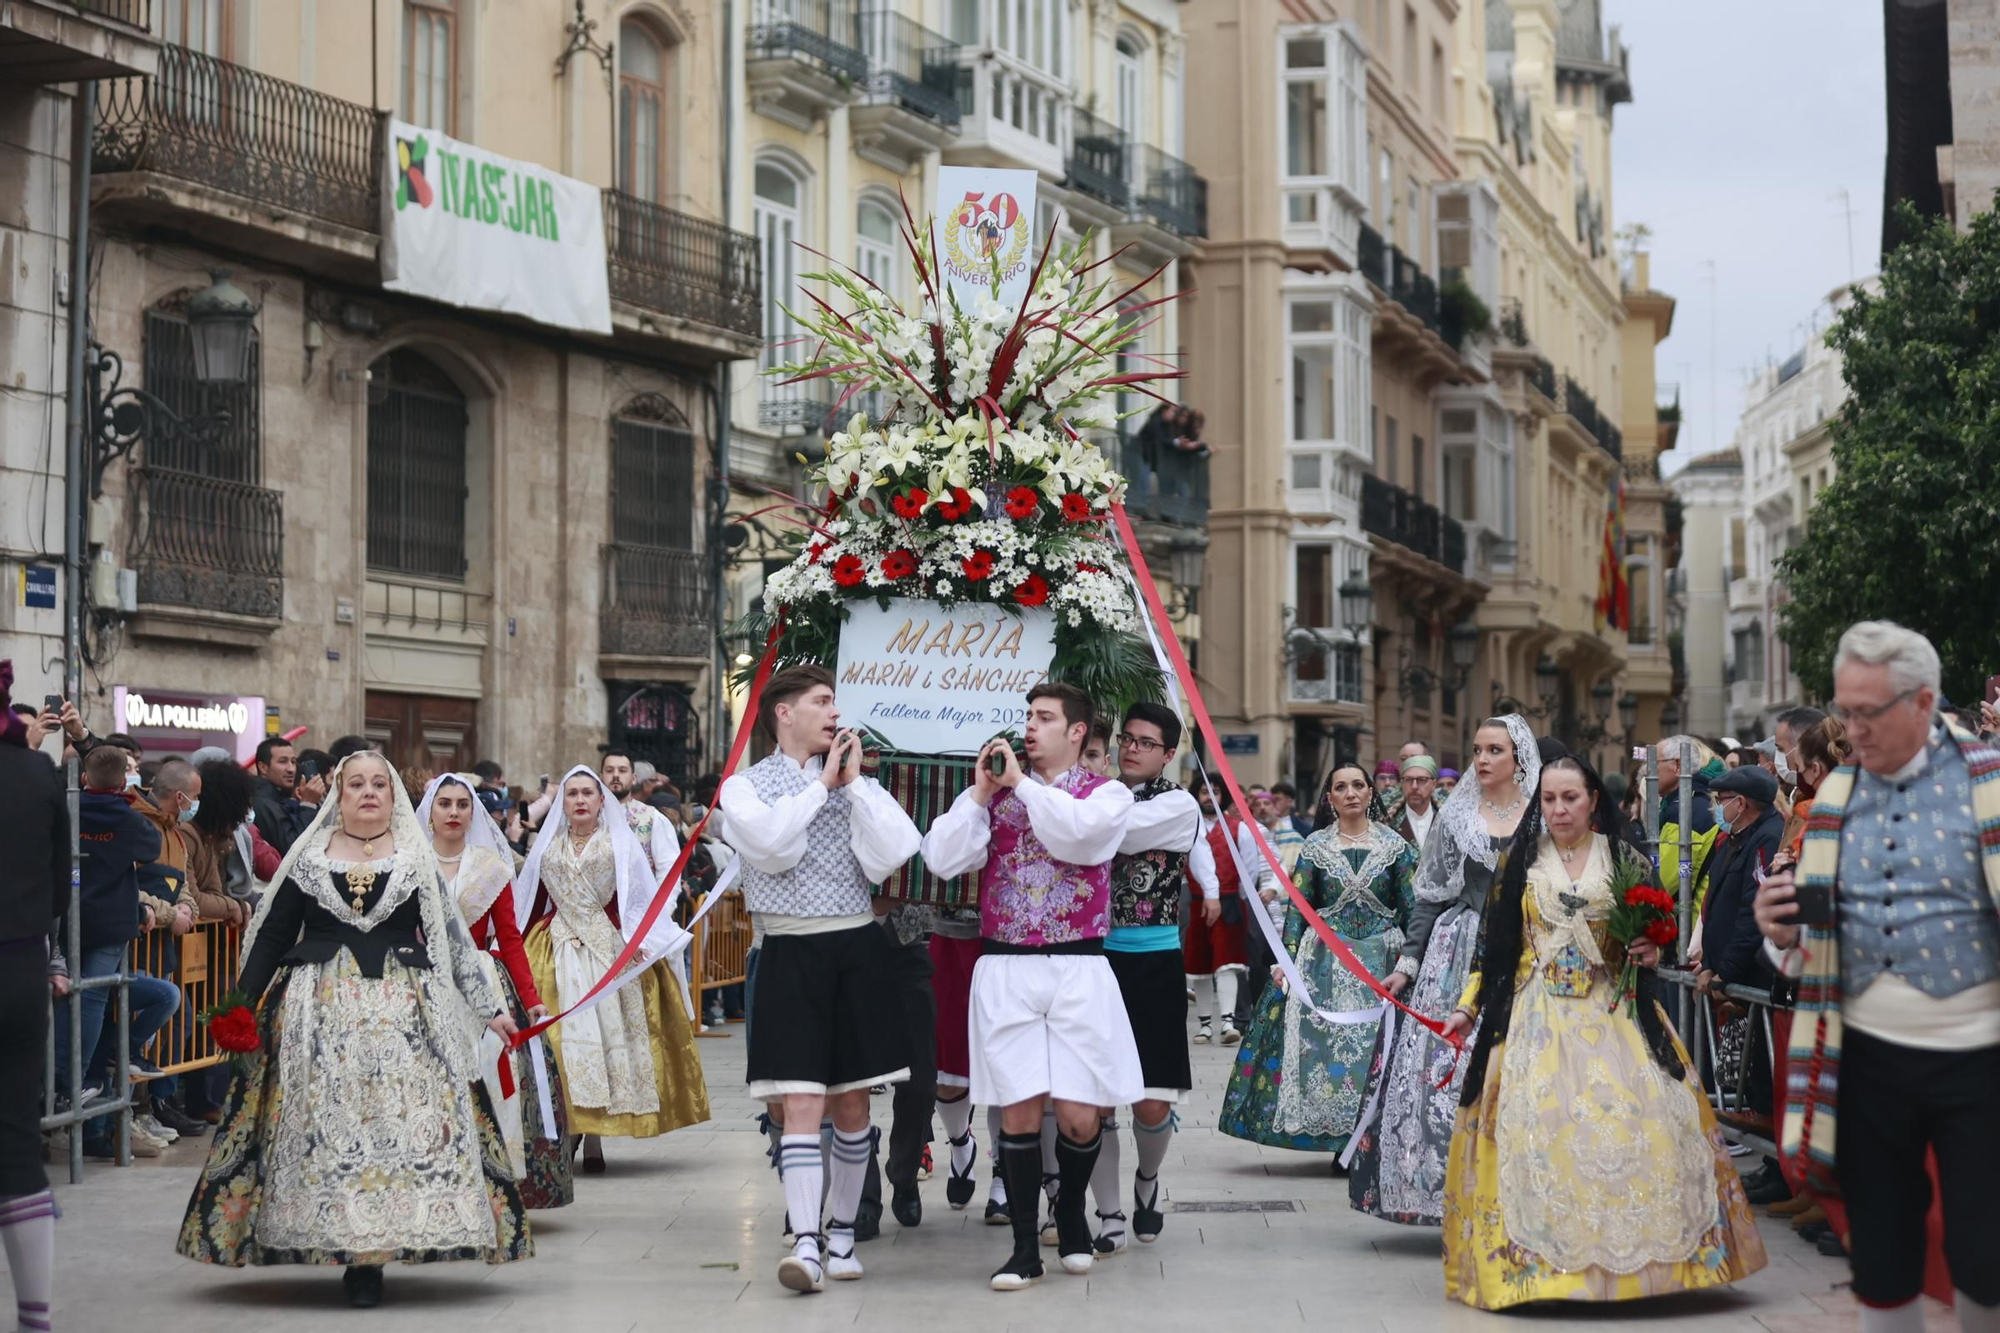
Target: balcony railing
1395 515
208 544
136 13
1099 162
1571 398
1413 289
1544 378
1164 483
1171 193
1326 674
909 65
205 120
1372 256
819 32
1513 324
798 408
666 260
657 602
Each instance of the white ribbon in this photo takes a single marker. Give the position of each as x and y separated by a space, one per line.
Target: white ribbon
646 960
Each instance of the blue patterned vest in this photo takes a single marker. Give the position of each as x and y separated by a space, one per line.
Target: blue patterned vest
1146 886
1912 891
828 880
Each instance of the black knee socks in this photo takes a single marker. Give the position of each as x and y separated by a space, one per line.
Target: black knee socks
1021 1168
1074 1163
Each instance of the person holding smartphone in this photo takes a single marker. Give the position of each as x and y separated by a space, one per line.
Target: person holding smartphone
1891 922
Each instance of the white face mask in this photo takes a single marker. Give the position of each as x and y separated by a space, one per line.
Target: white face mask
131 781
189 813
1785 773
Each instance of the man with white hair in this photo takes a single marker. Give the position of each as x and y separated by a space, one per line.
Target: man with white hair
1897 906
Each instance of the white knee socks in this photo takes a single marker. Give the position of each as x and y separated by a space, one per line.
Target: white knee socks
801 1168
1105 1185
1152 1142
1204 997
957 1117
28 1227
1225 993
845 1177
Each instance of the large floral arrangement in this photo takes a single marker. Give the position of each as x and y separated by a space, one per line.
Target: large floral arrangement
975 482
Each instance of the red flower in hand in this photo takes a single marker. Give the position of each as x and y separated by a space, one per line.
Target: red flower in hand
898 565
816 551
1076 509
1663 932
1033 592
235 1030
849 570
1022 502
910 504
978 565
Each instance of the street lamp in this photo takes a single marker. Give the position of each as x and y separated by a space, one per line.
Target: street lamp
1357 607
1599 732
221 326
1628 712
1417 678
1548 679
1187 562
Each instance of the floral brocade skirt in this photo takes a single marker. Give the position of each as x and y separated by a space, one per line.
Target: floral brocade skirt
354 1145
550 1180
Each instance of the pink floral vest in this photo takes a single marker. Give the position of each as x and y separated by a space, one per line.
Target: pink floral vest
1027 897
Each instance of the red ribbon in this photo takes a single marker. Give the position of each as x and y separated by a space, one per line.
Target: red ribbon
665 893
1335 945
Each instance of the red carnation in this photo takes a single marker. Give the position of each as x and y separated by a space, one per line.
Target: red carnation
1076 509
235 1030
1022 502
1084 568
1033 592
816 551
898 565
910 504
849 570
1663 932
978 565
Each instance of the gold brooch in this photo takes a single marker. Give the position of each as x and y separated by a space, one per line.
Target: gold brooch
359 881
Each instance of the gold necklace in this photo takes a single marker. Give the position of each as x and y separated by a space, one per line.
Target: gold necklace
1569 853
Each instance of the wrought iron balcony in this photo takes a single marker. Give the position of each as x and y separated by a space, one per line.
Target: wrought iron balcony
1544 378
212 123
681 265
798 408
135 13
1163 482
657 602
909 65
1413 289
818 32
1326 674
209 545
1571 398
1454 545
1099 162
1171 194
1373 257
1513 324
1395 515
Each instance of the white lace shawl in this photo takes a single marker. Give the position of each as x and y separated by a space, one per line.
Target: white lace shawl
489 861
1461 832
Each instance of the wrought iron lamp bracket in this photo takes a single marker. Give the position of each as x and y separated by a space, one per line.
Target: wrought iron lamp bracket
123 415
581 33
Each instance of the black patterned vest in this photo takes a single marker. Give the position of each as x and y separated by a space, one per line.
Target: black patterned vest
1146 886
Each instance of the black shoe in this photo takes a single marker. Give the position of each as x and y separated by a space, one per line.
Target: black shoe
908 1206
998 1214
1023 1270
1830 1246
1146 1218
958 1189
1773 1190
867 1221
1812 1231
364 1285
184 1125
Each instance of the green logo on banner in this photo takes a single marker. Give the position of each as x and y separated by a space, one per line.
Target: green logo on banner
411 184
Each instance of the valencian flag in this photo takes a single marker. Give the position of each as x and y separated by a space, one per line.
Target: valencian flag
1614 589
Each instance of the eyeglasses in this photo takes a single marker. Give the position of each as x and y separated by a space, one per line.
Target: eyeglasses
1843 713
1143 744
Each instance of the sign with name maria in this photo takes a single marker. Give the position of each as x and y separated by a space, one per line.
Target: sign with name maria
932 681
986 218
471 228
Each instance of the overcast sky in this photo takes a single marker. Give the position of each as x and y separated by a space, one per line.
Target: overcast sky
1747 118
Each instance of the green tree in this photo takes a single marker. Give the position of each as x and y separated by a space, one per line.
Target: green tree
1909 528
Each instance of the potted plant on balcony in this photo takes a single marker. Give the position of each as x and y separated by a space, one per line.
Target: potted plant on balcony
1460 310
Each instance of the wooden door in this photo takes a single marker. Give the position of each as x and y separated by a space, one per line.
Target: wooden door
424 730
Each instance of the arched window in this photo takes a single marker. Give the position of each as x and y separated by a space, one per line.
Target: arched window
652 461
875 246
642 111
430 64
780 210
416 468
1131 103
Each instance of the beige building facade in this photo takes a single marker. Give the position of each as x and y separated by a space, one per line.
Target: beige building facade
461 533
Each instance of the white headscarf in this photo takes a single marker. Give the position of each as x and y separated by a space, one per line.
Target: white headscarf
488 863
416 871
1461 832
636 881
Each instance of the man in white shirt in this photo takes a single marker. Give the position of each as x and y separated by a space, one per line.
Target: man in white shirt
1419 799
1047 1022
815 837
1895 1050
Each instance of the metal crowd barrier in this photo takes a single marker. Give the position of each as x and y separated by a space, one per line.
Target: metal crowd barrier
717 957
1729 1090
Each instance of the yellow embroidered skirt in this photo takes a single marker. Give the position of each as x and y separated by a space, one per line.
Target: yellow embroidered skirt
677 1072
1584 1172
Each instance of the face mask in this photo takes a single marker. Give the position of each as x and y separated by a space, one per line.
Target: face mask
1721 820
1785 773
131 781
189 813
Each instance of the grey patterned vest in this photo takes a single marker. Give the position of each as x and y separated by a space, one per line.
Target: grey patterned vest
1146 886
828 880
1912 893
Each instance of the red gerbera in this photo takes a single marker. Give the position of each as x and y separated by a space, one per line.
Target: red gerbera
1022 501
898 565
910 504
816 551
1076 509
849 570
978 565
1033 592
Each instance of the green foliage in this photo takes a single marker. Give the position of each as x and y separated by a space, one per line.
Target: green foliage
1909 528
1461 308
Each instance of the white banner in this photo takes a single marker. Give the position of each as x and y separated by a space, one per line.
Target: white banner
932 681
471 228
986 218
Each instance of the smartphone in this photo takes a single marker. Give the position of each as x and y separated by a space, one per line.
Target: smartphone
545 784
1815 902
53 703
308 770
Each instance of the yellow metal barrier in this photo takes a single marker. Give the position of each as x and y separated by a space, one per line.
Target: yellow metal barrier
721 945
205 973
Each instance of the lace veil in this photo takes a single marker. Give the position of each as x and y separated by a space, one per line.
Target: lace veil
1461 832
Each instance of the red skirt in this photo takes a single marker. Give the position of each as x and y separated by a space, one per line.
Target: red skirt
952 961
1207 949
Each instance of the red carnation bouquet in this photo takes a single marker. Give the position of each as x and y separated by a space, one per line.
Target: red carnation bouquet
1638 911
233 1024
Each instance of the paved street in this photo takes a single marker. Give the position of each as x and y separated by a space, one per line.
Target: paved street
683 1232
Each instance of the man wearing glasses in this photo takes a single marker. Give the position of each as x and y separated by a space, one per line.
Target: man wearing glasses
1892 924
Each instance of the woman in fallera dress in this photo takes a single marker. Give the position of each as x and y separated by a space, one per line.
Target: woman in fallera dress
628 1062
478 870
1299 1078
1399 1153
1586 1165
359 1132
